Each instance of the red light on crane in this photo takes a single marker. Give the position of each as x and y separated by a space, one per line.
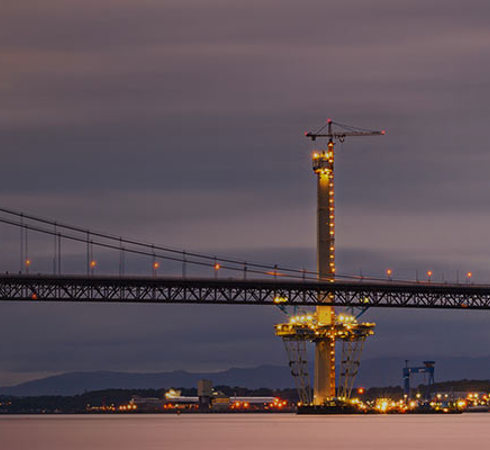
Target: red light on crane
217 266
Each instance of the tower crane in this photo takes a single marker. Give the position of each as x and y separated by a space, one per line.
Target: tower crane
342 132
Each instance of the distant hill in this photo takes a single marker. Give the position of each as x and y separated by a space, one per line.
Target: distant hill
374 372
79 382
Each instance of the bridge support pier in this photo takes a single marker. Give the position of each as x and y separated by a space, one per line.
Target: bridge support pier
324 376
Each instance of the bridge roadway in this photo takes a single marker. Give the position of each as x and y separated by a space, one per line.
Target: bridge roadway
126 289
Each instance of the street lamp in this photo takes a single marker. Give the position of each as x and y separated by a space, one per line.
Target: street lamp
155 266
217 267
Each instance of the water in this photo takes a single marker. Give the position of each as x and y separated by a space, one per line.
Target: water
247 431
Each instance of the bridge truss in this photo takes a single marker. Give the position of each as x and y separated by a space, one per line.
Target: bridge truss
122 289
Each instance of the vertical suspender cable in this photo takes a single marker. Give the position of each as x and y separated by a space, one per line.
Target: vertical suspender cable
184 264
59 253
54 249
21 262
27 261
121 258
88 253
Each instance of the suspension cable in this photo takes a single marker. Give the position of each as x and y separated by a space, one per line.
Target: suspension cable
90 238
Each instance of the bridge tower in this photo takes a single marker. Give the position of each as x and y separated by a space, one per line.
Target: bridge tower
323 167
324 371
323 328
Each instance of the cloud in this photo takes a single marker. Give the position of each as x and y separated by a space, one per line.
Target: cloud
181 123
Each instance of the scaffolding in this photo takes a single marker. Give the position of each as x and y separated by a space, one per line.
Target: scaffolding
298 365
303 329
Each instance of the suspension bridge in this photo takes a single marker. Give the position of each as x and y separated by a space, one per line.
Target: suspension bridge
232 281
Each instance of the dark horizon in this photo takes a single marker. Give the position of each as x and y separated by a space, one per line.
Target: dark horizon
374 373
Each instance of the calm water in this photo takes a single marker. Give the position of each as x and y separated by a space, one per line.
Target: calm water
281 431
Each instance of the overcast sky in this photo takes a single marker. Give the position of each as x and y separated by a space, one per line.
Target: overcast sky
181 122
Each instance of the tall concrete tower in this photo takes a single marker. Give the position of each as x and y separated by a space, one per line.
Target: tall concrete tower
324 376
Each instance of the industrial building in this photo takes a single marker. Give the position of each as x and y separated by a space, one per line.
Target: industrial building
207 400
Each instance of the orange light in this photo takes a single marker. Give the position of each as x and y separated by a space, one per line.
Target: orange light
389 272
274 273
361 390
28 262
429 273
217 266
156 265
34 296
469 274
93 264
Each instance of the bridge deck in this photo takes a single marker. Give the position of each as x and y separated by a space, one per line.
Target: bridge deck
116 289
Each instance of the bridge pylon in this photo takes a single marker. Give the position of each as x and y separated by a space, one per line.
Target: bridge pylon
324 372
325 326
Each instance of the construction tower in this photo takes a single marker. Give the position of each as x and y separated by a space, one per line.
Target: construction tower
323 328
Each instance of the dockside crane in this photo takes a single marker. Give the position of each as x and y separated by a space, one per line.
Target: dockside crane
428 368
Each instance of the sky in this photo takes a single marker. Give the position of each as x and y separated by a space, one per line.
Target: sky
181 123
